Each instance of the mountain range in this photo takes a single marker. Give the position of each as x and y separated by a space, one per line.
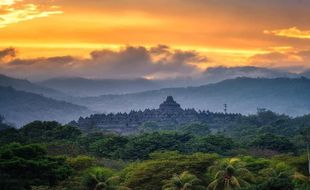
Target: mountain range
65 99
95 87
242 95
20 107
27 86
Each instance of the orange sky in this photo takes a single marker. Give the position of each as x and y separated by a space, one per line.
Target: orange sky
272 33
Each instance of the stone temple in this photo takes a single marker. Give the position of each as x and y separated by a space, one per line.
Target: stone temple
169 113
170 105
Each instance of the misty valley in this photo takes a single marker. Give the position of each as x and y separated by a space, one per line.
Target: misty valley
240 133
154 95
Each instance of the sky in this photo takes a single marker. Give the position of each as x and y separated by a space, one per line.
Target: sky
153 39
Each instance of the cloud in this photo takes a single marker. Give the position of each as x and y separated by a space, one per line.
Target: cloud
295 61
128 62
7 54
14 11
8 2
293 32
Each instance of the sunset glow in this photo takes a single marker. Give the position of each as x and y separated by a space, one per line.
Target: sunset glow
228 33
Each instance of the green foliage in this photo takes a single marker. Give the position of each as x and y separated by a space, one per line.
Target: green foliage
98 178
149 127
46 131
230 174
64 148
197 129
281 183
184 181
152 174
81 162
255 164
141 146
301 181
22 166
86 140
178 159
273 142
212 144
108 146
40 132
10 135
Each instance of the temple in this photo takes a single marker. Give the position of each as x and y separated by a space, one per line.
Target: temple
170 105
169 113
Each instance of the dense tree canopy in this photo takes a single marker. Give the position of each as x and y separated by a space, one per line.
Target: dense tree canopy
265 151
273 142
23 166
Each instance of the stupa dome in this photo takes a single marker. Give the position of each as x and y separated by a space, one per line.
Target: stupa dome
169 105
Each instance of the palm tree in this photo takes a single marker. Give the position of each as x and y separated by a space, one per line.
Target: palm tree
302 180
184 181
98 178
229 175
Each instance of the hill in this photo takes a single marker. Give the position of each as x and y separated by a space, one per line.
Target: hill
21 107
25 85
217 74
242 95
97 87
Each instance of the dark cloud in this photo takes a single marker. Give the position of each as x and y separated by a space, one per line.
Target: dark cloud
160 49
61 59
128 62
7 53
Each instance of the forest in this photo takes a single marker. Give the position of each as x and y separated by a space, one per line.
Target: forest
265 151
154 95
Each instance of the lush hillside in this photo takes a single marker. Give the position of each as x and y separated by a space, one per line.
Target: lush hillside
20 107
242 95
27 86
48 155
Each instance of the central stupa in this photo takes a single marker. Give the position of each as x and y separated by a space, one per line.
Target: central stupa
170 105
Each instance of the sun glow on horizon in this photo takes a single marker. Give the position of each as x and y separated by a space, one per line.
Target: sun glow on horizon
292 32
15 11
226 33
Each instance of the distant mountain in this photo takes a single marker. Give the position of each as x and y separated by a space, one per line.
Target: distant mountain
3 125
27 86
242 95
217 74
21 107
306 74
96 87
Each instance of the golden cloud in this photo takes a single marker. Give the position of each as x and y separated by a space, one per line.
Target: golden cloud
293 32
8 2
293 60
14 11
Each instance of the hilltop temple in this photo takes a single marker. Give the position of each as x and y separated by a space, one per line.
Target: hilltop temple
170 105
169 113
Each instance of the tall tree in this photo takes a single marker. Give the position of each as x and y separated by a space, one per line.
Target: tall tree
230 174
98 178
306 135
302 179
184 181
